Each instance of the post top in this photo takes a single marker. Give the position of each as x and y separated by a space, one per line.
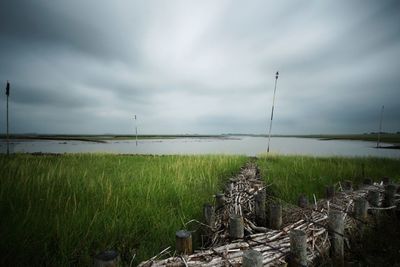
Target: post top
107 255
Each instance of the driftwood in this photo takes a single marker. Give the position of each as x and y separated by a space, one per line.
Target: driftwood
274 245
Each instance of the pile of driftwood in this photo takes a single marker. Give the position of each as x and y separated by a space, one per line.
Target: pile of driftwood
237 225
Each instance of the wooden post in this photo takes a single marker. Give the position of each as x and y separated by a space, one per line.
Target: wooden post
236 227
367 181
329 191
275 216
348 185
108 258
209 214
183 242
373 198
390 191
252 258
361 208
298 248
220 200
260 212
335 231
386 180
302 201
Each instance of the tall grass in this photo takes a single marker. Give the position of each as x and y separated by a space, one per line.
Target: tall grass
291 176
61 210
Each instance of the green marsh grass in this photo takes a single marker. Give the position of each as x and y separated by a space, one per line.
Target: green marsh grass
291 176
61 210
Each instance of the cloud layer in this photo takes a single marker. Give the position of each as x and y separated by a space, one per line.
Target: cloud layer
200 66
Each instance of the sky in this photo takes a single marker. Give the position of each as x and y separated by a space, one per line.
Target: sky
200 67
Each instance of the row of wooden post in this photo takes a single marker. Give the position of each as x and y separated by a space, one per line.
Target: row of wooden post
298 238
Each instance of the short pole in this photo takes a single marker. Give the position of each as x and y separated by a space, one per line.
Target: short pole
302 201
236 227
108 258
329 191
260 212
361 208
373 198
348 185
275 216
220 200
390 191
386 180
183 242
335 231
252 258
367 181
298 248
209 214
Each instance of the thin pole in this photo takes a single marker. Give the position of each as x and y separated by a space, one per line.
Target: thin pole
272 111
8 136
380 128
136 129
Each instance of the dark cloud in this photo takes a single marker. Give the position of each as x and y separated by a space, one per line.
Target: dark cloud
200 67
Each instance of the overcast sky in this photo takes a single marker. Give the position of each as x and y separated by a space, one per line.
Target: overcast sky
204 67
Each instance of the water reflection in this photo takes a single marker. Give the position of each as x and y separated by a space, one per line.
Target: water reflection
250 146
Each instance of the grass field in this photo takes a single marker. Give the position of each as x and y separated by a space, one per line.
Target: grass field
291 176
60 210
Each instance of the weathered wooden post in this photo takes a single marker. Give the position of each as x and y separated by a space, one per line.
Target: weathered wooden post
209 214
298 248
386 180
367 181
335 231
184 242
259 201
252 258
373 197
390 191
236 226
302 201
361 208
348 186
220 200
108 258
275 216
329 191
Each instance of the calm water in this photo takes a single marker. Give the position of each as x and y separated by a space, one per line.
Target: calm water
250 146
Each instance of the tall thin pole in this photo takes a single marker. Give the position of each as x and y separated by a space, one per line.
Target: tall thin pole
8 137
272 111
380 128
136 129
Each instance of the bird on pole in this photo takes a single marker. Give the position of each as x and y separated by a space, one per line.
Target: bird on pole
272 111
8 140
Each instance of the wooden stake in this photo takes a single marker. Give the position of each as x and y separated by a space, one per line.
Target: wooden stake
252 258
348 185
184 242
259 201
386 180
367 181
220 200
361 208
373 198
236 226
390 191
275 216
107 258
209 214
298 248
336 230
329 191
302 201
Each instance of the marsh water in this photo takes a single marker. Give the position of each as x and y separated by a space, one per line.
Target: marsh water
251 146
